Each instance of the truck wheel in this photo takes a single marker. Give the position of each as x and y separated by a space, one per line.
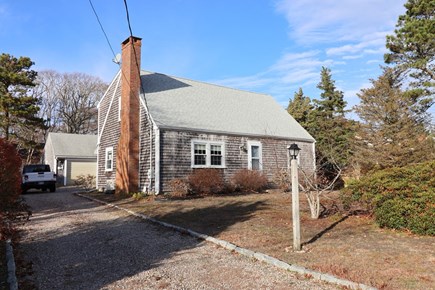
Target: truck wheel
53 188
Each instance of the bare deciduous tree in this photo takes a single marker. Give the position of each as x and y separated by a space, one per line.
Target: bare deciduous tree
315 184
69 101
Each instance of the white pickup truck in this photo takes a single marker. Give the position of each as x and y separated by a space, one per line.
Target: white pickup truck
38 176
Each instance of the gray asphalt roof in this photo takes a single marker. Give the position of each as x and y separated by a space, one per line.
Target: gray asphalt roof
73 145
180 103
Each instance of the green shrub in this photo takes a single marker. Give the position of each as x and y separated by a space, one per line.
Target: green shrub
399 198
249 180
206 181
138 195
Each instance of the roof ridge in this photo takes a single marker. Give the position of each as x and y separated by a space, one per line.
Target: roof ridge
210 84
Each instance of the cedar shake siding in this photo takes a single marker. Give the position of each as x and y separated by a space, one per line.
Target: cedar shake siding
146 154
176 154
108 132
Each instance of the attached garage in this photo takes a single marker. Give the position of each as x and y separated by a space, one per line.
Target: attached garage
71 155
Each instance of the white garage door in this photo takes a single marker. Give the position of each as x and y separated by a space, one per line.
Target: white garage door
79 167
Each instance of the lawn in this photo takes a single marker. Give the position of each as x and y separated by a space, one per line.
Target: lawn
350 247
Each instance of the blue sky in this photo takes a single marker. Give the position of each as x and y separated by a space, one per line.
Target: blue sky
267 46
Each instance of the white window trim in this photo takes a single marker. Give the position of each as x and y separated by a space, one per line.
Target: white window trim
260 147
108 149
119 109
208 153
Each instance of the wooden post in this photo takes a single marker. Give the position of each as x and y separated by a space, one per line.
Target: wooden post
295 206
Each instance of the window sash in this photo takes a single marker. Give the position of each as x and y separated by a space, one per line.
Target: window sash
208 154
109 159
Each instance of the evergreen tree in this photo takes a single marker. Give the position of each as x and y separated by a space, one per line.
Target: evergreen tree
392 132
300 108
18 108
329 125
331 103
412 47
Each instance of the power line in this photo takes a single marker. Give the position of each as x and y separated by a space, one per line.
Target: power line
102 28
135 55
128 18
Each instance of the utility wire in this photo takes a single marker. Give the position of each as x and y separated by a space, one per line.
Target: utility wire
128 18
102 28
135 55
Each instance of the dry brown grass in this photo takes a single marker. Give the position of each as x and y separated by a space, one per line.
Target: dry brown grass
351 247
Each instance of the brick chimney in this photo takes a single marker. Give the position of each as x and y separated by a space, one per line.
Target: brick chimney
127 157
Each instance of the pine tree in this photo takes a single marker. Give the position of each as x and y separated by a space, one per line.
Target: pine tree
391 132
300 108
329 126
412 47
18 108
331 103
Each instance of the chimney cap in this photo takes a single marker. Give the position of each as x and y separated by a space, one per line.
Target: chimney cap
131 39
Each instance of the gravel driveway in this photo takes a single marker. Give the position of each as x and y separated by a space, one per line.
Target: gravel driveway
75 243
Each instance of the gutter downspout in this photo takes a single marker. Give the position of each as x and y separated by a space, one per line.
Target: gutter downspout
153 127
157 159
151 158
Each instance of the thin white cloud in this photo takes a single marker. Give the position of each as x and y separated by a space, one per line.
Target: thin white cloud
353 56
249 82
291 71
370 61
340 31
327 21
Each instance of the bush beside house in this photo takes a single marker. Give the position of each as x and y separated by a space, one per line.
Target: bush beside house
399 198
208 181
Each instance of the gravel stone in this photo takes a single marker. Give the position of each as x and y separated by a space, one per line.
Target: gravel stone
75 243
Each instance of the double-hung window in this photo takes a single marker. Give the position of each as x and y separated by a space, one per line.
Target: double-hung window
200 154
109 159
207 154
255 158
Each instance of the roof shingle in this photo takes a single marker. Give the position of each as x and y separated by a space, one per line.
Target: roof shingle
179 103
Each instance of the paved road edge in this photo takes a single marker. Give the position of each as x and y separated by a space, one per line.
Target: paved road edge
245 252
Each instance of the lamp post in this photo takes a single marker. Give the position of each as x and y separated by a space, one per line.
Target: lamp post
293 152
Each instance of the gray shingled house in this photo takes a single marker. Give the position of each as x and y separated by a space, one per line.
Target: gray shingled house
156 127
70 155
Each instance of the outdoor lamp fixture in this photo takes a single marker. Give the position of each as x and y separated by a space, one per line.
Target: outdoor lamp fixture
293 150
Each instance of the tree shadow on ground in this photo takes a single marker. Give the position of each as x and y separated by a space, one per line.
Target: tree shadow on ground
78 244
213 220
325 231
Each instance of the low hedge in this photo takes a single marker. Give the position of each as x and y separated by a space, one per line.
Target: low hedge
400 198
